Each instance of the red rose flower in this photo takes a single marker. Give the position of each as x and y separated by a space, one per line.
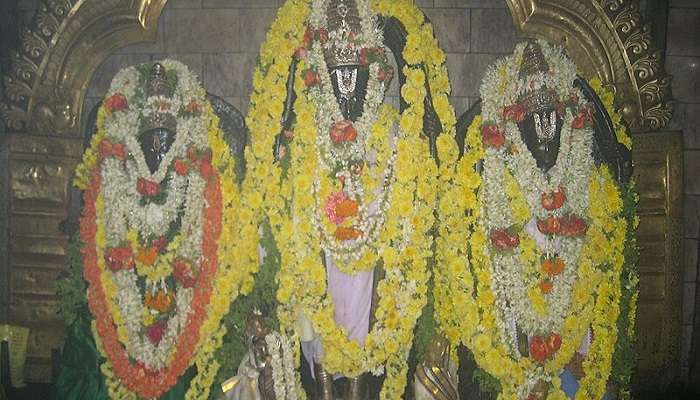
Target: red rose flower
381 75
147 188
554 200
584 117
116 102
546 286
492 136
364 56
553 266
549 226
156 331
160 243
515 112
572 225
503 240
343 131
553 343
181 167
322 34
119 151
119 258
105 148
343 233
538 349
206 156
301 53
182 272
308 37
311 78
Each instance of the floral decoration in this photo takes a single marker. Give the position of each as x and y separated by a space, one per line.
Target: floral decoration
545 252
364 209
160 250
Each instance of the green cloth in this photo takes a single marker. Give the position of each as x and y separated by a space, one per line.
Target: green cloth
80 377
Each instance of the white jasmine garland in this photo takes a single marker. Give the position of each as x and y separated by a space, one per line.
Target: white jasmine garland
125 210
283 366
510 279
373 202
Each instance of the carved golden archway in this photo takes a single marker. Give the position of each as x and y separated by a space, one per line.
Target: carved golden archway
44 92
607 39
67 41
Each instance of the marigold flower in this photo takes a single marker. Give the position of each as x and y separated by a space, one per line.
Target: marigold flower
553 266
160 301
343 233
346 208
147 256
546 286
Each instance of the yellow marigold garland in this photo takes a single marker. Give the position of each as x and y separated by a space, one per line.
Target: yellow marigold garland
426 63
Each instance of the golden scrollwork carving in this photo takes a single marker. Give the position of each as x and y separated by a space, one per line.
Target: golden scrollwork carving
607 39
66 41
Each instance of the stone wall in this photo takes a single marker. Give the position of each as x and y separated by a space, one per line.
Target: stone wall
683 62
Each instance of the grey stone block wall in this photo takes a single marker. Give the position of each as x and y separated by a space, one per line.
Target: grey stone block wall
683 62
219 40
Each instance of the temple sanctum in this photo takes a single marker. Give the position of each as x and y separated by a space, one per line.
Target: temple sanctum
349 199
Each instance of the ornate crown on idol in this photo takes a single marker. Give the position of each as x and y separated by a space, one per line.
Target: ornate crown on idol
159 86
343 25
534 63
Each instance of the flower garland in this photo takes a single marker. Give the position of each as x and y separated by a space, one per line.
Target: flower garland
158 290
283 366
304 190
555 290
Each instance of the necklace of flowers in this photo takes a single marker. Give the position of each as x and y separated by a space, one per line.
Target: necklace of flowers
467 276
184 305
343 146
283 366
532 284
402 246
426 62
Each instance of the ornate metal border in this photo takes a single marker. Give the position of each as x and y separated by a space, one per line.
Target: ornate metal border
607 39
59 52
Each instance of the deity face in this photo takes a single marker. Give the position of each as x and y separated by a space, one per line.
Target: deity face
350 87
155 144
541 132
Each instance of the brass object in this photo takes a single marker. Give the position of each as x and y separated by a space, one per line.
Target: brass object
324 383
16 338
356 388
658 173
434 372
607 39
